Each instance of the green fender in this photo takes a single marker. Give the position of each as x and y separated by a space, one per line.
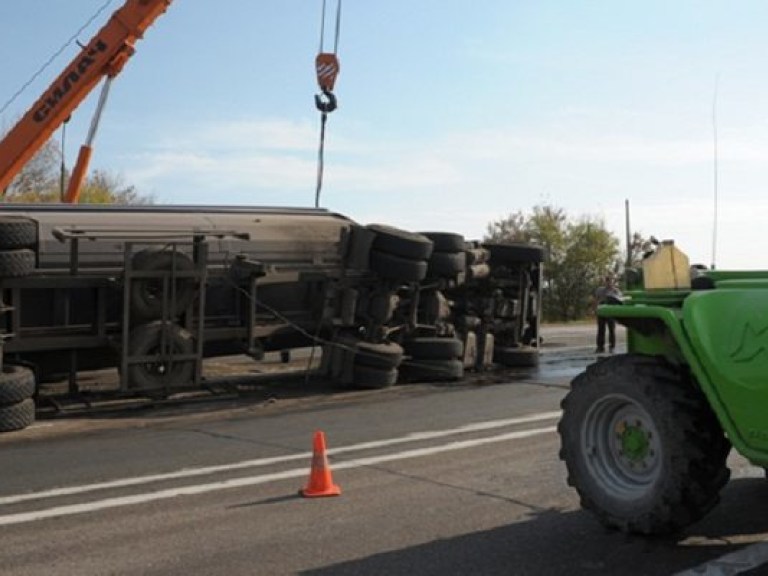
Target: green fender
722 335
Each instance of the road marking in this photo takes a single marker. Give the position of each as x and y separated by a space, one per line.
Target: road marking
737 562
191 472
135 499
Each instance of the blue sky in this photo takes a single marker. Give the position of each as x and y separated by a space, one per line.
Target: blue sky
452 113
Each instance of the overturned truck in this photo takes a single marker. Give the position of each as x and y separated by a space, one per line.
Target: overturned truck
153 290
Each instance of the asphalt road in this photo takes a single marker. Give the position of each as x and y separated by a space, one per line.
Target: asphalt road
435 479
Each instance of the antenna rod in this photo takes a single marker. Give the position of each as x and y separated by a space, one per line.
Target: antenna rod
714 132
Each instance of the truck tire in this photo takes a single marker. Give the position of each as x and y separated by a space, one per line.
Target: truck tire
374 378
515 357
446 264
147 293
17 416
446 241
399 268
420 370
642 447
505 253
434 348
17 232
16 384
156 377
16 263
384 356
401 243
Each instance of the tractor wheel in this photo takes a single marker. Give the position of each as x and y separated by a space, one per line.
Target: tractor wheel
16 384
642 447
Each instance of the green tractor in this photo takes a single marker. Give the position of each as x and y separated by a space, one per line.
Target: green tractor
645 435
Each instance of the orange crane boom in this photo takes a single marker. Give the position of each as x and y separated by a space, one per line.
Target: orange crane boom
103 57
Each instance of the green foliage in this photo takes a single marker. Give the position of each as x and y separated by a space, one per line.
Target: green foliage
40 181
578 254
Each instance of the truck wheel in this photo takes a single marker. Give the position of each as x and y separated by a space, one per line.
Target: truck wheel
16 384
515 357
419 370
163 371
17 232
16 263
446 241
374 378
17 416
642 447
505 253
400 242
384 356
398 267
446 264
434 348
147 298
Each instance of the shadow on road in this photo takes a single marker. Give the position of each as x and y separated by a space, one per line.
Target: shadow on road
554 543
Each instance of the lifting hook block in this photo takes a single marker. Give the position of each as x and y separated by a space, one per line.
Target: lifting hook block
327 105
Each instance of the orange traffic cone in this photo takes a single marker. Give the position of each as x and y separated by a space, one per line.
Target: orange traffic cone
320 480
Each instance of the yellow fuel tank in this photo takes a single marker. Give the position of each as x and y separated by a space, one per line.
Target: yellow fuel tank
667 268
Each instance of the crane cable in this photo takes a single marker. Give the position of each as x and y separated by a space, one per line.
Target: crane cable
327 69
55 55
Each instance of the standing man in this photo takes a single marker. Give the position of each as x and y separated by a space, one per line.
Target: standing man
607 293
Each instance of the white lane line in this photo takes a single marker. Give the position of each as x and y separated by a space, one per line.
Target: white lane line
191 472
737 562
135 499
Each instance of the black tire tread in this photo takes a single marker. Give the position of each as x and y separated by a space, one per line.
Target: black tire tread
17 383
434 348
16 263
696 463
394 267
17 232
401 243
17 416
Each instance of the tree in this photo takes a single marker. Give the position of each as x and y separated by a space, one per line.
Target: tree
40 181
577 254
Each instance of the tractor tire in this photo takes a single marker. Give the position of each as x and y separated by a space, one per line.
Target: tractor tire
642 447
147 298
16 384
507 253
446 241
434 348
16 263
401 243
515 357
368 378
17 416
17 232
398 268
418 370
156 377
